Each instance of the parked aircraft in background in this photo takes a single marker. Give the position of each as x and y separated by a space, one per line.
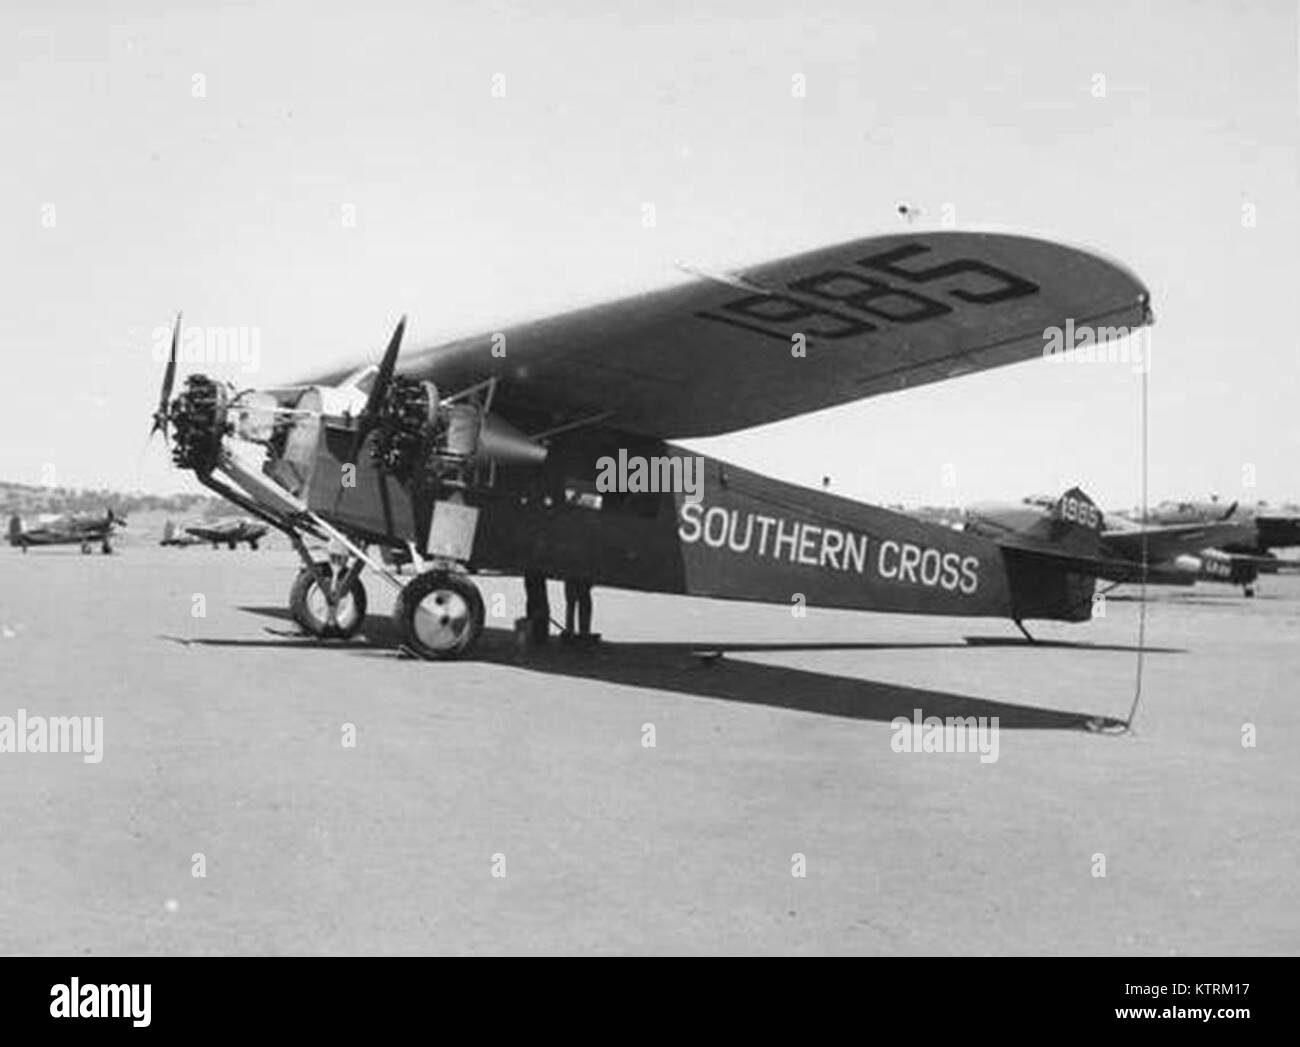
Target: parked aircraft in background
229 531
1212 546
84 529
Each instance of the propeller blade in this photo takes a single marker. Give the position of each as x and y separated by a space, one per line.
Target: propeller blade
366 420
386 367
169 380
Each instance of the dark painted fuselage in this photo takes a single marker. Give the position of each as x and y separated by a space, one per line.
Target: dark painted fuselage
747 537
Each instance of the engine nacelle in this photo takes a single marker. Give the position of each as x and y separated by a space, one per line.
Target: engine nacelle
416 428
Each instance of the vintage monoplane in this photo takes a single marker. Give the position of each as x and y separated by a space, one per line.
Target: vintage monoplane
1239 559
83 529
484 454
228 531
1124 550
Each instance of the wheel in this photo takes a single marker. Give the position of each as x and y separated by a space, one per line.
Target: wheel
233 546
106 548
252 546
85 548
310 608
441 614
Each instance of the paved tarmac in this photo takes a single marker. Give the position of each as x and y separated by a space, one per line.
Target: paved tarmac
223 738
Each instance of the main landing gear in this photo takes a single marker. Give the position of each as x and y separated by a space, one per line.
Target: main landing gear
439 613
329 604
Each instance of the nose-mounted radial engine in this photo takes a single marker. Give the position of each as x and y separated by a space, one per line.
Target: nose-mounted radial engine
393 465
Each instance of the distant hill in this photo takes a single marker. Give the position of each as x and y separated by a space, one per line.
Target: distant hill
28 500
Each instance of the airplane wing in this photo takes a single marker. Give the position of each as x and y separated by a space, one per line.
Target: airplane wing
806 332
1167 541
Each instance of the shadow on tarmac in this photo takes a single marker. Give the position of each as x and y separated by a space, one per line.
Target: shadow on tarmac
703 670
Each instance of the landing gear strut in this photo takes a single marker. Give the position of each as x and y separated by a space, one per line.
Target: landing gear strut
329 602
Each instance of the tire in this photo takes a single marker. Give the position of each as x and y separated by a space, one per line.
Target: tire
441 614
310 610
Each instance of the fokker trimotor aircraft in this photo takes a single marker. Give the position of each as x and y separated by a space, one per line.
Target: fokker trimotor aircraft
229 531
488 453
1174 553
84 529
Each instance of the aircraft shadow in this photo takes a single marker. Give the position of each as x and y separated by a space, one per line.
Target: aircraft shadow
1223 600
702 670
1069 645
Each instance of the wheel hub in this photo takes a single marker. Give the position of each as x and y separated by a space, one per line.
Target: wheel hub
442 618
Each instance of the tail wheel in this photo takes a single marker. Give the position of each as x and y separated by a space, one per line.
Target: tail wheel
441 614
310 607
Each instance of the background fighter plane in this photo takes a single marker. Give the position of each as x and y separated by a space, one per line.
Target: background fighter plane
84 529
1272 528
483 454
228 531
1178 553
1241 559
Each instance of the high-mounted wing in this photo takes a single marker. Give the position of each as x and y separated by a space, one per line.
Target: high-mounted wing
781 339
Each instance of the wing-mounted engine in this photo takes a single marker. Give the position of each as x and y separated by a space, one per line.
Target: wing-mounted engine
422 439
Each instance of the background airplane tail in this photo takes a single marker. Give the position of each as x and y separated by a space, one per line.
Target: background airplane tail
15 530
169 532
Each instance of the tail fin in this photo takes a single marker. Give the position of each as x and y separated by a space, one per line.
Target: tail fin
15 530
1058 578
1074 524
1075 507
169 532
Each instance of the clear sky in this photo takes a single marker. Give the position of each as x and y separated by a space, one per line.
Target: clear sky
1164 134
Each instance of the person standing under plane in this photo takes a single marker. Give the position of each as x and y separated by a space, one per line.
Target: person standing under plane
537 607
577 603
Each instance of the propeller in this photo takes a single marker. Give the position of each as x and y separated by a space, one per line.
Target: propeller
160 416
370 413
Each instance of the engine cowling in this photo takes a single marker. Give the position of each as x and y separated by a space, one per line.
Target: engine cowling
199 417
